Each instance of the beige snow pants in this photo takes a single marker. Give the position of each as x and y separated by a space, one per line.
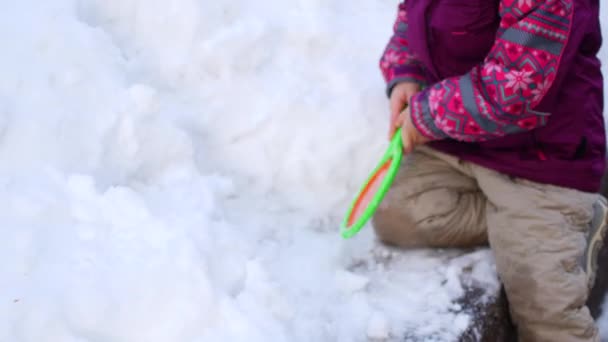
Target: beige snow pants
536 231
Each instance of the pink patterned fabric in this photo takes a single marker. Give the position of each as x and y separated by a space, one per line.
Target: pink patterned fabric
398 64
499 96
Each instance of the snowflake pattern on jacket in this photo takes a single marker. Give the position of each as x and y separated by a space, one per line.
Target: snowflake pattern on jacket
499 96
398 64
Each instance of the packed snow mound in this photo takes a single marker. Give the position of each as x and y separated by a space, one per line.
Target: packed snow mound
175 171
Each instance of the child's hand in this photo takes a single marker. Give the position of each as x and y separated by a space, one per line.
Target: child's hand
410 136
400 98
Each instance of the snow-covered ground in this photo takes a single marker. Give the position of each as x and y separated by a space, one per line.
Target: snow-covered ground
175 171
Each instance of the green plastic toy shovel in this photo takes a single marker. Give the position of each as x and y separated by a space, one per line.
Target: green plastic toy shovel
374 189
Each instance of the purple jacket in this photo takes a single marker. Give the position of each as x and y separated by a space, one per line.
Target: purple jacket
512 85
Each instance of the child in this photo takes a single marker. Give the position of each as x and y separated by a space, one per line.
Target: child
505 138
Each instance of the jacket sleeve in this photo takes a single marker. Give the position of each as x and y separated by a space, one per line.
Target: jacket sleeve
397 62
499 96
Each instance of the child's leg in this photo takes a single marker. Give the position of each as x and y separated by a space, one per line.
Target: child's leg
538 235
432 203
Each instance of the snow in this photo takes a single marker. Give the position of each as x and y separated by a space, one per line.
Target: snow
378 329
175 171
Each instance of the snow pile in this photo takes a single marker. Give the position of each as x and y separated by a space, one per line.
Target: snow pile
175 171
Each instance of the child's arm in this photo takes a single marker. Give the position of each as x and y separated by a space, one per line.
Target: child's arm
397 63
499 96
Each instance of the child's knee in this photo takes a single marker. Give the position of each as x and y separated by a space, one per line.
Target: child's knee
395 227
435 218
